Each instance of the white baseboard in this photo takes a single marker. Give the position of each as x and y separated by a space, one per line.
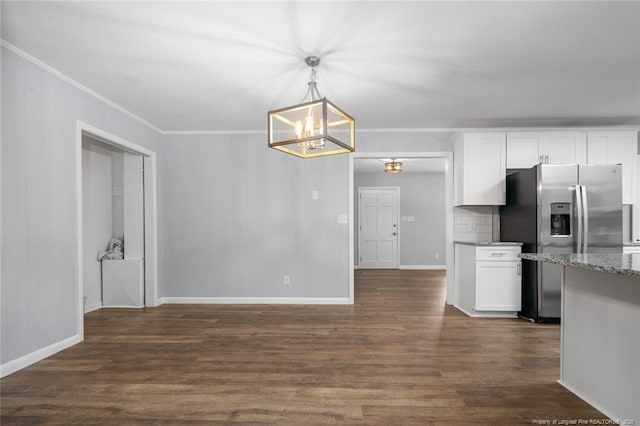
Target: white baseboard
488 314
123 307
92 307
257 300
29 359
595 405
422 267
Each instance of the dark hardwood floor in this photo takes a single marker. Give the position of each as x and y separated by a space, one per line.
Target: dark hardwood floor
398 356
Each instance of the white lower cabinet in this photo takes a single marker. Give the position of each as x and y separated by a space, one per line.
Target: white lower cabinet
488 280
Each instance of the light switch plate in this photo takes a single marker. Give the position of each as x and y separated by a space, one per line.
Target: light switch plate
315 194
343 219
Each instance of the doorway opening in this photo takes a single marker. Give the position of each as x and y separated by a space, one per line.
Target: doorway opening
360 164
117 216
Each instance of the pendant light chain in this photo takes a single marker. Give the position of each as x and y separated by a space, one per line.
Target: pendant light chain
312 88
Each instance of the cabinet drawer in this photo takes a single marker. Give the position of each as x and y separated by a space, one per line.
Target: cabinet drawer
498 253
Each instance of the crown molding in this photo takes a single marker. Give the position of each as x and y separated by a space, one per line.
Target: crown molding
46 67
215 132
423 130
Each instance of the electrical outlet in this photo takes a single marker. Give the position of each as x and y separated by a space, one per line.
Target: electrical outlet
437 255
286 280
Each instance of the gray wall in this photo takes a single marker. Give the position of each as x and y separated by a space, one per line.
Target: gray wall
422 195
233 216
404 141
39 262
238 216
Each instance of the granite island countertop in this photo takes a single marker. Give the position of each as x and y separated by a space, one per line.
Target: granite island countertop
489 243
614 263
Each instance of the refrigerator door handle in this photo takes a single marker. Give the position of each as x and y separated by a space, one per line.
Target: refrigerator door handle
578 192
585 219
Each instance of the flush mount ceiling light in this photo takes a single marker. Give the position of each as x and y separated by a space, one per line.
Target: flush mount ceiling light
393 166
313 128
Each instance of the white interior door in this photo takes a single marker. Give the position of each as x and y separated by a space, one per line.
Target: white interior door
378 230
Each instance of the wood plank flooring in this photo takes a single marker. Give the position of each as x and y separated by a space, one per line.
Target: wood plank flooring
399 356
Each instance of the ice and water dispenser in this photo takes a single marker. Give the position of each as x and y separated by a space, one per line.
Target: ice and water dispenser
560 218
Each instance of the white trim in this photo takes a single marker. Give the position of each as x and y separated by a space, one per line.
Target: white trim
79 232
258 300
418 130
422 267
113 140
151 285
214 132
488 314
35 356
151 291
635 209
448 157
588 400
352 250
48 68
92 307
123 307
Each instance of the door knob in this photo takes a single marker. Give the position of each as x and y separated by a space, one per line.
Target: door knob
394 234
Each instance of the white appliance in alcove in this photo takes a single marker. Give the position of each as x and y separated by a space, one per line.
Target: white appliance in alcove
123 280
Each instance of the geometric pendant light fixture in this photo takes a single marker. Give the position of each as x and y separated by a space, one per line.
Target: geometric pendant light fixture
393 166
313 128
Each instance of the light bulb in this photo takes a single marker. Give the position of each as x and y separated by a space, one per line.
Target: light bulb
308 125
299 129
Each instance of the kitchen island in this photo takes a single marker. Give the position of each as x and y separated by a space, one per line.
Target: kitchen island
600 330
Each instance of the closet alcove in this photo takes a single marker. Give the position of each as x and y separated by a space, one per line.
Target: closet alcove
112 207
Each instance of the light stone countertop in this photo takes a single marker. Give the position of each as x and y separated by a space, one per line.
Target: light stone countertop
614 263
489 243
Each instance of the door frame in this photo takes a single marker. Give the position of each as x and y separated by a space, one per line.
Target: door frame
397 218
150 213
448 173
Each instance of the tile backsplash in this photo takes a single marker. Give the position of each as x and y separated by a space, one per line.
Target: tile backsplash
474 223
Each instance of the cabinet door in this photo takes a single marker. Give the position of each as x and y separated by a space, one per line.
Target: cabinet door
617 148
563 147
498 286
483 164
523 150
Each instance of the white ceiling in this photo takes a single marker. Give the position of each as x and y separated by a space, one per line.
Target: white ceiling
409 165
217 65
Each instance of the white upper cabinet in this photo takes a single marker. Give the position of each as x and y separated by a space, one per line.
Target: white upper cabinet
479 169
526 149
617 147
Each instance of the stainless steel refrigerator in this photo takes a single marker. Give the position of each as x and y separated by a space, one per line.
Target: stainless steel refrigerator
560 209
